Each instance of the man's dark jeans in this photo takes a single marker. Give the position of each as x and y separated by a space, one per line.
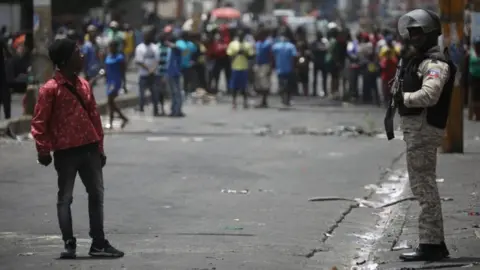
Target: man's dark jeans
85 161
152 83
285 86
189 80
323 71
6 102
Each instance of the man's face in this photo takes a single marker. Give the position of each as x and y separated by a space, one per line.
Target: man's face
76 61
417 37
148 38
92 34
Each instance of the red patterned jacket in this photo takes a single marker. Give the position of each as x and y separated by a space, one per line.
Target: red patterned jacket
59 120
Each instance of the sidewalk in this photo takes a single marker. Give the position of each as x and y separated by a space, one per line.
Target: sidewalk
458 181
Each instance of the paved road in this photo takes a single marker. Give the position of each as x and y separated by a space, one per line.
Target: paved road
164 203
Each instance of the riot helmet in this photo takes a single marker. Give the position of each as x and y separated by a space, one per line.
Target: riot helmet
421 28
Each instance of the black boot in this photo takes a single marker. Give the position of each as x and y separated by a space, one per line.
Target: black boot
70 249
427 252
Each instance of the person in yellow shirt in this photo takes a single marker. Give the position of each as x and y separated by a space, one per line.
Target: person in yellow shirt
128 51
129 42
240 52
390 49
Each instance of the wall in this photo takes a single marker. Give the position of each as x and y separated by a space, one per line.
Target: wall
10 15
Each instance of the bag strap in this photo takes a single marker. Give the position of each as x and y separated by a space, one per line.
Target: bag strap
75 93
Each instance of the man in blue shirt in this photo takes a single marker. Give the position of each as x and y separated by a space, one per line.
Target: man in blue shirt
262 68
284 53
187 48
91 52
173 74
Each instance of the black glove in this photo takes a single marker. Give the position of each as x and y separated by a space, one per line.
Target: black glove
398 97
103 160
45 160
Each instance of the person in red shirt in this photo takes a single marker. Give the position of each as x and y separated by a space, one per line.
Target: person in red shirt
217 51
66 122
388 63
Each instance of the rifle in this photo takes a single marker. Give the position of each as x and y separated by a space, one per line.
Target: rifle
392 107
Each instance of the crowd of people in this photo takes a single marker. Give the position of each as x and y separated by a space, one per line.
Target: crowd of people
174 63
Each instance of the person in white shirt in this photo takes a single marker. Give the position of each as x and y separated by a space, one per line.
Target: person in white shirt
147 58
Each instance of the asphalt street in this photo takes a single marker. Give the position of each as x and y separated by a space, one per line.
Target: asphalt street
219 189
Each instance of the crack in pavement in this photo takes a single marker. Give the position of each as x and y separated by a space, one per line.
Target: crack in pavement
345 213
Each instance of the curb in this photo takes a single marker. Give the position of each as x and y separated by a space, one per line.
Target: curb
21 125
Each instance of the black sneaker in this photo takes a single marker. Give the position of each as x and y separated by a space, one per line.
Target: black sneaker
70 249
104 250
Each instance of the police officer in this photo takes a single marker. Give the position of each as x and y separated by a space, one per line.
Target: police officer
423 104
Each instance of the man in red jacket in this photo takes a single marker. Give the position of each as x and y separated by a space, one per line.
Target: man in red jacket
66 122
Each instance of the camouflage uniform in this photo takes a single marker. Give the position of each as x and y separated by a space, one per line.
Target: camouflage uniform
422 141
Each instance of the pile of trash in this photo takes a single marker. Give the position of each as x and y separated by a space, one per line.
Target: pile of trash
345 131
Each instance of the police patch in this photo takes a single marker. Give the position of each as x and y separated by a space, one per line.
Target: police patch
433 73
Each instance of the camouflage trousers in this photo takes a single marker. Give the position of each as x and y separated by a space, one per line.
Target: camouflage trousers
422 141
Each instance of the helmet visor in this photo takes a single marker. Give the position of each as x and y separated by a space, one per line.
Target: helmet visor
415 18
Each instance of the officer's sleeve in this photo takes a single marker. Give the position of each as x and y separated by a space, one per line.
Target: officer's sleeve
435 74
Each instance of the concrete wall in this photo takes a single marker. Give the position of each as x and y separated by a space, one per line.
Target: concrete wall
10 15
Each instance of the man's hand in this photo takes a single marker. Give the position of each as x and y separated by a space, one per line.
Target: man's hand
103 160
398 97
44 159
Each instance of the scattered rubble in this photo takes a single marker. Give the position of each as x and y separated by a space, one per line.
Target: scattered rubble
344 131
234 191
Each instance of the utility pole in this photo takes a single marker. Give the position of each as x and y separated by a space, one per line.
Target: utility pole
452 13
180 9
42 35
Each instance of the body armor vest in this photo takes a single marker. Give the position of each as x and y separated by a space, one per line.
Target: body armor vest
437 114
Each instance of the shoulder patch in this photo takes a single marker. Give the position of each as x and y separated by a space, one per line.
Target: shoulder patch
433 73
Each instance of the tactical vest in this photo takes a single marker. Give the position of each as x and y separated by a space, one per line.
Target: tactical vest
437 114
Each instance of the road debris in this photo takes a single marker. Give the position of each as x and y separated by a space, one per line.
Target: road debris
440 180
25 254
370 204
361 202
195 139
233 191
343 130
360 261
402 245
158 139
234 228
